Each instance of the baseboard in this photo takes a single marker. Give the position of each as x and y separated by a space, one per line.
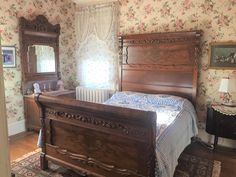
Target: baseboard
16 127
210 139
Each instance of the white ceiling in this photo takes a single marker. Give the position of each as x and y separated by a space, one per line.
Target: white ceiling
84 2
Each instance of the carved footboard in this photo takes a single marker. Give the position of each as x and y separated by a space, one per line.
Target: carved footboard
97 140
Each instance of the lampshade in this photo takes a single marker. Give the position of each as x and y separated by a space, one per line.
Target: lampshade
227 85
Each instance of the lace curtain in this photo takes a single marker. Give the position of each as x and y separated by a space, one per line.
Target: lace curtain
97 48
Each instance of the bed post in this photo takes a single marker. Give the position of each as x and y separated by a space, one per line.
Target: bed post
43 161
120 62
197 54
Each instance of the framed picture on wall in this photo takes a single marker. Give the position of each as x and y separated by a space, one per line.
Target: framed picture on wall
222 55
9 56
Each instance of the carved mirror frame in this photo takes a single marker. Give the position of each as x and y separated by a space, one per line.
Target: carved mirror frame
38 32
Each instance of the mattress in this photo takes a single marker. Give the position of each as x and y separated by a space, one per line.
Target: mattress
175 124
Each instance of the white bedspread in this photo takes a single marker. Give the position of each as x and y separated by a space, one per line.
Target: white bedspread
176 124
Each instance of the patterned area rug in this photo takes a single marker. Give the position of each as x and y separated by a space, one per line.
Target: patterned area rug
193 166
189 166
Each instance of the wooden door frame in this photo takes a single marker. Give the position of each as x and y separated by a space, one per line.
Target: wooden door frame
4 146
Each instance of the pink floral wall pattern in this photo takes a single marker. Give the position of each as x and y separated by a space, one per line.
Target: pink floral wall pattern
57 11
215 17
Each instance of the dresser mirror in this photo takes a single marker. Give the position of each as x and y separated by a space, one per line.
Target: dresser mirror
41 59
39 43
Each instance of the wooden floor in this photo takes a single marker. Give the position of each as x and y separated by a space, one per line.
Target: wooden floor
26 142
22 144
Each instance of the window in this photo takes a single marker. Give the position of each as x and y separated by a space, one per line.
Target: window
97 51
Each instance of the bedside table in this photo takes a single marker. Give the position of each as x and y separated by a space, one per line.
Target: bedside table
221 122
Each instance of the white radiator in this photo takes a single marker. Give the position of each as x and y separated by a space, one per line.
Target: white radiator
93 95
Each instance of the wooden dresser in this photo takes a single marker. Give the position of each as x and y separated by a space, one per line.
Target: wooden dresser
32 114
39 41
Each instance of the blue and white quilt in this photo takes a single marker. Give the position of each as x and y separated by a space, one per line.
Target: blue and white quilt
176 124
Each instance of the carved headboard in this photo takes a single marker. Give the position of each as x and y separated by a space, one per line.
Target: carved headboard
161 63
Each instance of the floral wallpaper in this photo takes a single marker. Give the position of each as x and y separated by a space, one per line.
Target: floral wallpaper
57 11
215 17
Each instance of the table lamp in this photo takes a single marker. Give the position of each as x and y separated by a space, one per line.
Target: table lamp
227 86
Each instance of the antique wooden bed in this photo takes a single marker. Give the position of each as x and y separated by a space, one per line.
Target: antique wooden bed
102 140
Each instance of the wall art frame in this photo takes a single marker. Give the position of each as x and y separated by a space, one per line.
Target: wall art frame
222 55
9 56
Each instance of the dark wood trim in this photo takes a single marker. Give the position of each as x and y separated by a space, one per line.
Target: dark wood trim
101 121
41 34
38 31
159 61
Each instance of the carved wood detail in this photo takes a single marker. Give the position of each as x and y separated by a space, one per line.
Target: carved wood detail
160 41
160 67
126 55
39 24
197 54
120 50
38 32
163 38
98 122
96 163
